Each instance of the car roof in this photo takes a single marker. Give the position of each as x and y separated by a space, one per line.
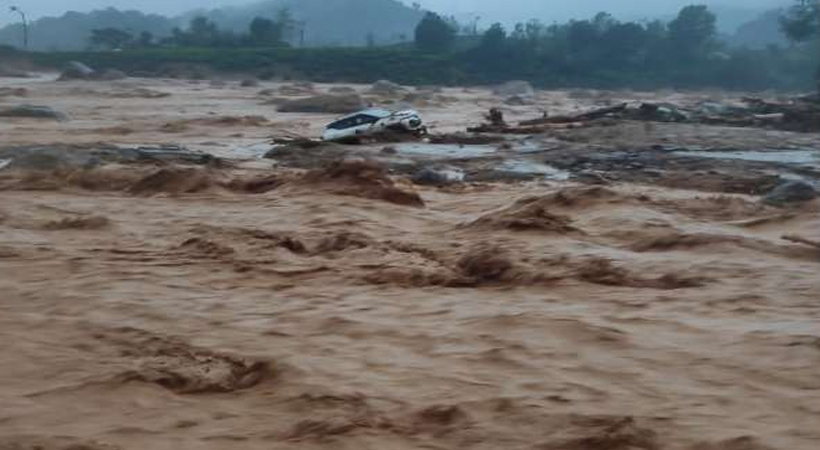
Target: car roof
376 112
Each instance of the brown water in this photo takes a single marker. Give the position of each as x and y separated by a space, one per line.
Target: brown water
178 313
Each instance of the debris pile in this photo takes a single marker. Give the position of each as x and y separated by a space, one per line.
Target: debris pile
801 114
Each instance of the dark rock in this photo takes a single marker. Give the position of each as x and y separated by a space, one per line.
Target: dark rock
791 192
429 177
249 82
76 70
34 112
517 100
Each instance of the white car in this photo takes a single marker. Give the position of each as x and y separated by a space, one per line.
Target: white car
373 121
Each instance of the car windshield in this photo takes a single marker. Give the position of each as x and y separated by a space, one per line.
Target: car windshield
352 121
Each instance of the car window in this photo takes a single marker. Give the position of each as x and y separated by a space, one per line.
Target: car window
365 118
357 120
342 124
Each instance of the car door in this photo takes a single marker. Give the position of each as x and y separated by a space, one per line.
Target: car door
363 123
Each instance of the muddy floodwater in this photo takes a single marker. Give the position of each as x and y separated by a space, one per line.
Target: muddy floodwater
810 157
614 286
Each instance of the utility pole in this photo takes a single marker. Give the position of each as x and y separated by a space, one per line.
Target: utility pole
302 25
25 25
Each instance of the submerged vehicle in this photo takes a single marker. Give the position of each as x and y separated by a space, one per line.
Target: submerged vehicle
374 121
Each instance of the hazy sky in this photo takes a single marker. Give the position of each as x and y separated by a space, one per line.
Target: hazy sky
504 10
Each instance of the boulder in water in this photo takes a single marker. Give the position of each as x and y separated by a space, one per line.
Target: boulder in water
429 177
76 70
791 192
34 112
249 82
517 100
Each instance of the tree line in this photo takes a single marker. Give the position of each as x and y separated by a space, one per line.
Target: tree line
686 48
601 52
201 32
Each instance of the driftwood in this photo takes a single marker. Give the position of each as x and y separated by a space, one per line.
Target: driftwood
582 117
801 240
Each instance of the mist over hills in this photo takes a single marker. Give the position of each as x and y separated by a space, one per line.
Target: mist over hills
731 13
329 22
71 30
326 22
350 22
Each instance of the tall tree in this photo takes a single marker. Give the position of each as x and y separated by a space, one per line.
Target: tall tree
286 23
145 39
693 33
203 32
802 21
494 41
264 32
624 42
434 34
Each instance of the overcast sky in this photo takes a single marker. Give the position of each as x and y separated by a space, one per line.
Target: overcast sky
503 10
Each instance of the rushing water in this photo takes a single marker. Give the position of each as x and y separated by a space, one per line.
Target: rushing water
446 150
529 167
799 157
